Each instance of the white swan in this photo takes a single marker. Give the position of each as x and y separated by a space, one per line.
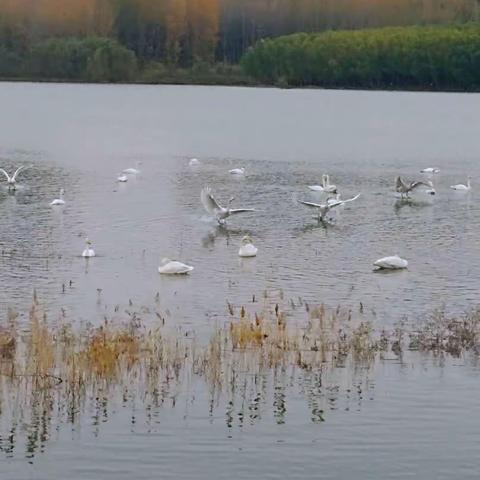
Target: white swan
319 188
329 188
132 171
60 200
214 208
237 171
332 200
460 186
404 189
430 171
247 249
391 263
12 180
172 267
89 251
325 187
194 162
122 178
324 208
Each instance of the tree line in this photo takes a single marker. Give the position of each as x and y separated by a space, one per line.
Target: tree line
182 32
435 57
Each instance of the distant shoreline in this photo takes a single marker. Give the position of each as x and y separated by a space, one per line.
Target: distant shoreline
228 82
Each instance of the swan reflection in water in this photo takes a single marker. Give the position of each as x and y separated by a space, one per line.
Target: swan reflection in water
221 230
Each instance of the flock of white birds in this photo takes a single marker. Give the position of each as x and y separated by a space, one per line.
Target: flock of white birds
324 207
247 248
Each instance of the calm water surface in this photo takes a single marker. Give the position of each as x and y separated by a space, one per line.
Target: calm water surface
80 137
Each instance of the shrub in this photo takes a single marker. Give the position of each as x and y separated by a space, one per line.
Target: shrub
435 57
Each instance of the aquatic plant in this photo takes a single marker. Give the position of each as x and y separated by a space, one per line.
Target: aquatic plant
58 368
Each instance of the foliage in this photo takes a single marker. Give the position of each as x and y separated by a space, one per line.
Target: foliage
437 57
183 32
97 59
59 39
111 63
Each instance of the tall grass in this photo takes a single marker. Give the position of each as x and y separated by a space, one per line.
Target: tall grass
56 368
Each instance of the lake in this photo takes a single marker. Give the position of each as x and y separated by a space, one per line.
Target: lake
416 417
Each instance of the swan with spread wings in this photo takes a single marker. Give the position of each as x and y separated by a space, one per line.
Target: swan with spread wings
324 208
214 208
405 189
12 180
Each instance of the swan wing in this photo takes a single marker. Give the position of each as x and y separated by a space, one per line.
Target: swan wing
342 202
399 185
17 171
241 210
415 185
6 174
311 204
208 201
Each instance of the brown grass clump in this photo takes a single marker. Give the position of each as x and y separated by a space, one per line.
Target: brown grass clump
442 333
40 346
245 334
107 350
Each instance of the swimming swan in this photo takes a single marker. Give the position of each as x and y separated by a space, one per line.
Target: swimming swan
132 171
60 200
460 186
89 251
247 249
237 171
325 187
214 208
194 162
172 267
391 263
430 171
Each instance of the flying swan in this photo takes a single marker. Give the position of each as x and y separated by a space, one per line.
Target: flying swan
12 180
172 267
324 208
404 189
214 208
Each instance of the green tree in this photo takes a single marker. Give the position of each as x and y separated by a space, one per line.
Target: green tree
112 62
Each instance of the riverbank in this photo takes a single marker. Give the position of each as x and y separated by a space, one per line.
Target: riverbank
234 78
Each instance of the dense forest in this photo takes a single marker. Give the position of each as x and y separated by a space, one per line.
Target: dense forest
108 40
440 57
